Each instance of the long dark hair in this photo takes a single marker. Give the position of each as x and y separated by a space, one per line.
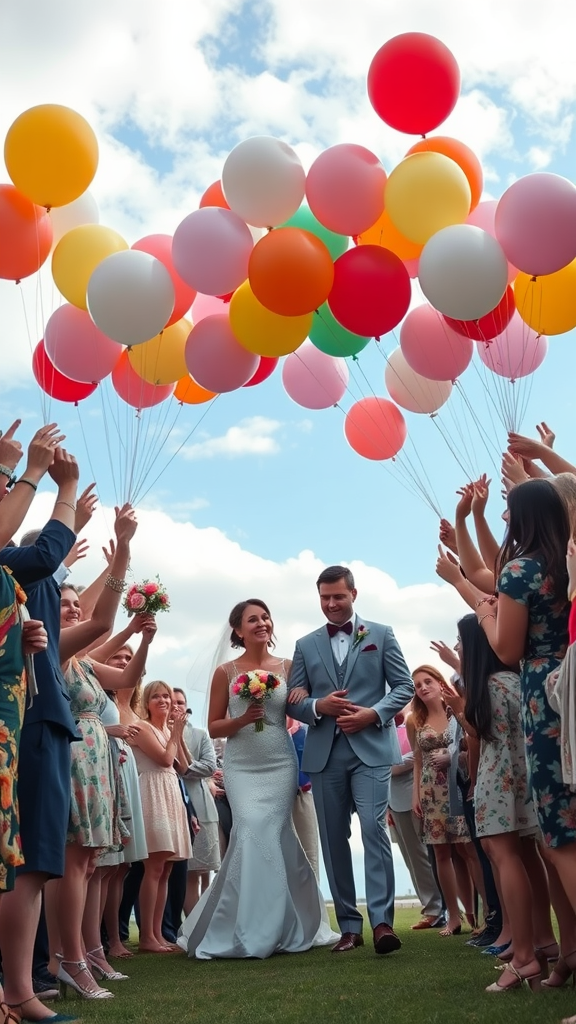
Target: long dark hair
538 527
478 662
235 620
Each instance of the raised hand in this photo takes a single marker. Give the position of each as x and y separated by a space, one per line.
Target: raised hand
139 621
480 496
447 568
464 506
524 446
448 536
125 524
64 468
10 449
547 436
149 630
78 550
109 552
513 471
34 637
85 508
446 654
41 450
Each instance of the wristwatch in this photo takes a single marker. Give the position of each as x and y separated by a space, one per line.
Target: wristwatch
6 471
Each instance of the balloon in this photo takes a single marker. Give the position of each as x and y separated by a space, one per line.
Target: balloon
412 266
548 303
425 193
214 196
375 428
304 218
211 249
430 348
535 223
25 235
515 353
160 246
290 271
483 217
77 348
263 181
135 391
413 82
412 391
130 297
333 339
215 358
385 234
83 210
51 154
463 272
161 360
261 331
491 324
313 379
460 154
78 254
207 305
371 292
188 392
55 383
345 188
265 369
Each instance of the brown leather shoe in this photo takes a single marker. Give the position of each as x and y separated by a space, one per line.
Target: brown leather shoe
428 921
348 940
385 940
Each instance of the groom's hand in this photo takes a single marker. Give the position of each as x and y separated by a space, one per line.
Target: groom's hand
356 718
334 705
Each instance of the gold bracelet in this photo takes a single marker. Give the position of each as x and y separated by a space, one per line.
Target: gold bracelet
114 583
482 617
69 503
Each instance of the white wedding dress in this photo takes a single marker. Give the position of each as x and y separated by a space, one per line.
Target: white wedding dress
265 898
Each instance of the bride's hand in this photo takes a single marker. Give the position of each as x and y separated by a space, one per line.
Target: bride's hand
254 712
297 695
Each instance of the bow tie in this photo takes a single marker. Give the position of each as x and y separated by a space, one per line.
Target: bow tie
333 630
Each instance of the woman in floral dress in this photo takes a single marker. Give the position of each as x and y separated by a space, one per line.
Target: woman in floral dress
12 701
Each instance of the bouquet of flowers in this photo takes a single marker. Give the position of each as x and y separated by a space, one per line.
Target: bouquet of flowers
255 686
146 598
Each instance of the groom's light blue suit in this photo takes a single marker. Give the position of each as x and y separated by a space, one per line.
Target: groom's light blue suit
352 771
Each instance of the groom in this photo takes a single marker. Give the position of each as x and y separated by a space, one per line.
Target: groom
357 681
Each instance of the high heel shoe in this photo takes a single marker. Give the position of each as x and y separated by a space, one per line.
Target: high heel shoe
445 932
532 980
93 957
563 970
71 981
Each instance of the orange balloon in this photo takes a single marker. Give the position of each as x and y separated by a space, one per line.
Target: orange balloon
461 155
384 233
190 393
290 271
214 196
25 234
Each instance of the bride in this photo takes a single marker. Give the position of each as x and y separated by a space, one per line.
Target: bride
264 899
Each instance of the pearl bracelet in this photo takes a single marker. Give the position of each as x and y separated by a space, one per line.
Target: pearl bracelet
114 583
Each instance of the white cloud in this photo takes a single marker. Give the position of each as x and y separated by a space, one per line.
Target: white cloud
252 436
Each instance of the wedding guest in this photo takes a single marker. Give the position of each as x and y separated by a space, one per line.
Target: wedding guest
303 812
218 790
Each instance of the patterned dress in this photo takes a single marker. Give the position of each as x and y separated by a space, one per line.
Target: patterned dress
440 823
522 580
12 701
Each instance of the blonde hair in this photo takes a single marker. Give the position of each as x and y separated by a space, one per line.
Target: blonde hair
565 484
148 692
419 709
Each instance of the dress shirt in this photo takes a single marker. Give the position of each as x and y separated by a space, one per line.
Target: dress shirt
341 642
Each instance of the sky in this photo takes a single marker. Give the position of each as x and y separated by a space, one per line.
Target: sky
254 494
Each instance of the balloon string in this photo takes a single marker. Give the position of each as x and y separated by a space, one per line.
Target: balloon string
159 438
92 470
187 438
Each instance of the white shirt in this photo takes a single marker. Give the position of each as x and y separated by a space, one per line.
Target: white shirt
341 642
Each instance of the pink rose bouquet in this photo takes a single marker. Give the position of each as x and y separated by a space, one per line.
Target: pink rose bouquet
255 686
147 598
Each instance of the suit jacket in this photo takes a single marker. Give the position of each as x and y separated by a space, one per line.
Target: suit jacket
376 677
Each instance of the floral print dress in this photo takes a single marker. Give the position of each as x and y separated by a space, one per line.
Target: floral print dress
439 822
12 701
522 580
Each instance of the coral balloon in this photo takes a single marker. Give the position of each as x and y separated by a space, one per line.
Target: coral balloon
161 360
463 272
55 383
130 297
333 339
51 154
83 210
77 348
371 292
261 331
25 235
77 255
265 369
188 392
413 82
535 223
215 358
208 305
483 217
263 181
313 379
291 271
491 324
375 428
548 303
160 246
345 188
425 193
412 391
384 233
430 348
214 196
304 218
211 249
135 391
461 155
515 353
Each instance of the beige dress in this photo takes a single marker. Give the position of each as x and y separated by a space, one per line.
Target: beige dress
165 820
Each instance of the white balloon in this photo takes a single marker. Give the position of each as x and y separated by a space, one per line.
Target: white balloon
411 391
463 272
263 181
83 210
130 296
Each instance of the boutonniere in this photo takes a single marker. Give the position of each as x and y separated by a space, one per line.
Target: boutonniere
360 635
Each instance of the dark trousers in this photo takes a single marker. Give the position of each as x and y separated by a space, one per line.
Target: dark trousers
494 908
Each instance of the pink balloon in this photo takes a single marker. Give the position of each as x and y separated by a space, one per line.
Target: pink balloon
77 348
135 391
431 347
483 217
313 379
160 246
207 305
535 223
345 188
215 359
211 249
516 352
412 267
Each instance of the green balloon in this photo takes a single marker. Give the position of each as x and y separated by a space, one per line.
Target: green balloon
305 219
333 339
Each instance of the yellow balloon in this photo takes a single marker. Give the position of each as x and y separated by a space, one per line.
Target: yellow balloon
548 303
263 332
161 360
77 255
425 193
51 154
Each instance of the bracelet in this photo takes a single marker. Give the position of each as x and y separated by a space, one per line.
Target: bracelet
482 600
25 480
69 503
114 583
482 617
6 471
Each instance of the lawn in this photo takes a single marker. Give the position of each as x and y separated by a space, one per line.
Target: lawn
431 980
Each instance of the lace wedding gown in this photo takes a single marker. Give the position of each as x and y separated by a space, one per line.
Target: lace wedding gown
264 899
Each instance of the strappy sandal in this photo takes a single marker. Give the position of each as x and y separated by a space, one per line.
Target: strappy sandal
532 980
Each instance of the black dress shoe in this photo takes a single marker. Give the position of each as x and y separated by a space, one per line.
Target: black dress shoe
385 939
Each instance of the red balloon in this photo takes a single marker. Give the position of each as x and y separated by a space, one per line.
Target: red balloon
214 196
265 369
25 234
375 428
490 325
160 246
371 291
136 392
55 383
413 82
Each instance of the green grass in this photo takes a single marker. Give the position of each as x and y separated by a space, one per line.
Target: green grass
431 980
